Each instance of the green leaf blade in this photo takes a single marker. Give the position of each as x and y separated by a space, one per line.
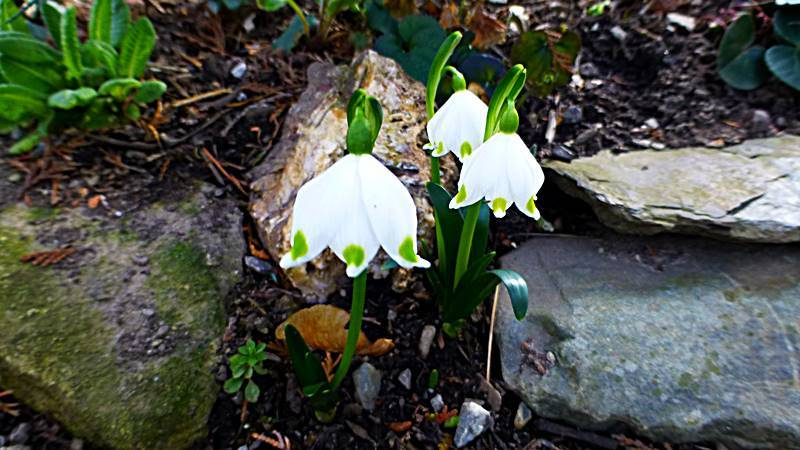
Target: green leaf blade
517 290
24 48
41 77
787 24
67 99
135 50
51 15
8 10
18 103
739 35
70 45
747 71
100 21
119 88
232 385
251 392
120 19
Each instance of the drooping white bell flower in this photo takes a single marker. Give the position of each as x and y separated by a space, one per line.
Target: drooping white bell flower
354 207
458 125
502 171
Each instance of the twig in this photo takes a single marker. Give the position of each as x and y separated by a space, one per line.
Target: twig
207 155
491 335
200 97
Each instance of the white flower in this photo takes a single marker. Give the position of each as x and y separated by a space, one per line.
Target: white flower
502 171
787 2
458 125
354 207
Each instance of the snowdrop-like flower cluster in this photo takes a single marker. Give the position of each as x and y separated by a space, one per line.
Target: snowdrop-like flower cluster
458 125
355 207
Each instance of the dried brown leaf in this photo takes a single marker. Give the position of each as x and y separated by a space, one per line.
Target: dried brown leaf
324 327
449 17
400 8
488 30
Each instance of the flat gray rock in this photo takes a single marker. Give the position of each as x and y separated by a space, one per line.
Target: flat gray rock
683 339
745 192
118 341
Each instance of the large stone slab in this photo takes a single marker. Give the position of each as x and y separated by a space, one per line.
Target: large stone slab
118 341
313 138
746 192
683 339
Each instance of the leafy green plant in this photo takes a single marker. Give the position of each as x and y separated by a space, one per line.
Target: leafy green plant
247 362
746 66
92 85
548 57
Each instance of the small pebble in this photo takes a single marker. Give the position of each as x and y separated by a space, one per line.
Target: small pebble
652 123
573 115
618 33
149 312
367 381
140 260
425 340
76 444
239 70
562 153
589 70
257 265
162 331
437 403
760 121
20 434
682 20
405 378
523 416
474 419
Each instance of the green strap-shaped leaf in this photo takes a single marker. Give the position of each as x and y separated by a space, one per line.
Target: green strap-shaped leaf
306 366
150 91
70 98
51 14
517 290
448 223
40 77
120 19
784 62
119 88
18 103
8 10
24 48
100 21
787 24
481 237
136 48
70 45
97 54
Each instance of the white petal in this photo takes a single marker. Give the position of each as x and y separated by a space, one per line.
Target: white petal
478 175
317 211
525 176
462 119
391 211
354 242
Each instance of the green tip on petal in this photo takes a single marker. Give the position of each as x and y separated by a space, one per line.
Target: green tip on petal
466 149
462 194
499 206
299 245
353 255
531 205
406 250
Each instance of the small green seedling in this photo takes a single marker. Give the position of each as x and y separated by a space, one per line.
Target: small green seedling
91 84
247 362
433 379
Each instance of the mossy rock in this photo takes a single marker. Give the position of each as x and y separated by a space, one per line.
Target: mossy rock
118 341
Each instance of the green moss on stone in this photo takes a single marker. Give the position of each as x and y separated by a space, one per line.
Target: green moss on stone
39 213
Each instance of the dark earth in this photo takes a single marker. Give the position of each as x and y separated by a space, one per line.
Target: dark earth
658 71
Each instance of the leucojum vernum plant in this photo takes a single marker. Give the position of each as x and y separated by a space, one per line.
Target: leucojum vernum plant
498 171
357 206
92 85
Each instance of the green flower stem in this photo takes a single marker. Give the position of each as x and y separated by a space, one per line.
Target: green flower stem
434 77
300 15
465 242
508 89
353 328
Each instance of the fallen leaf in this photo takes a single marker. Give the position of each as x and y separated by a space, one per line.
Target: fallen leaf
324 327
400 427
94 202
400 8
488 30
449 17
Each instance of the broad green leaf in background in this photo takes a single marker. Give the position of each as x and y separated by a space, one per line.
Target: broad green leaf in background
547 60
292 34
135 49
70 44
19 103
517 290
379 18
41 77
120 19
150 91
739 35
100 21
71 98
119 88
414 45
747 71
99 54
8 10
784 62
787 24
24 48
51 15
